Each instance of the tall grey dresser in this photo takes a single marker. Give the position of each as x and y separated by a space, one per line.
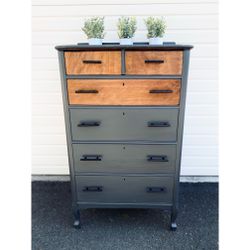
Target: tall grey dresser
124 111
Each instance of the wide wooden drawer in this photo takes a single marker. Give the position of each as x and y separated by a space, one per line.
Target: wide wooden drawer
124 189
93 63
154 62
142 123
124 158
124 92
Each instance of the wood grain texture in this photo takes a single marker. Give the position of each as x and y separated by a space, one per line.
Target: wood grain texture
124 92
172 62
110 63
190 21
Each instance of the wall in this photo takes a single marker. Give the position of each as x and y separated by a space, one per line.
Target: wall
56 22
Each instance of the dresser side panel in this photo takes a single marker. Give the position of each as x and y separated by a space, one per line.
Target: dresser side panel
67 124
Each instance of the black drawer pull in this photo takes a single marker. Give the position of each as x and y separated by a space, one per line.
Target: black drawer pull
92 189
91 158
92 61
156 189
88 124
160 91
86 91
158 124
154 61
157 158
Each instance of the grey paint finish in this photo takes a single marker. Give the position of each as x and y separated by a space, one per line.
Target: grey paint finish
181 127
126 47
143 205
67 125
125 229
123 158
170 181
124 124
125 189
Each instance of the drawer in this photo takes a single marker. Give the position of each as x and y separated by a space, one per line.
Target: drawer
153 124
93 63
124 92
124 158
124 189
154 62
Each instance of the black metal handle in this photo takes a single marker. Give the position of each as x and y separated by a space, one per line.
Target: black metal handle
156 189
154 61
157 158
92 189
91 158
89 124
86 91
92 61
158 124
160 91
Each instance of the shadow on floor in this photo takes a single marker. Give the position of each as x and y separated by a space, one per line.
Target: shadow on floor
124 228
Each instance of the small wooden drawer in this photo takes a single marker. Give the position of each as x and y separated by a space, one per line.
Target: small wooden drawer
154 62
124 92
93 63
119 158
123 124
125 189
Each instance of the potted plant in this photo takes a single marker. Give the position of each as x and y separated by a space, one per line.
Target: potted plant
156 29
94 30
126 30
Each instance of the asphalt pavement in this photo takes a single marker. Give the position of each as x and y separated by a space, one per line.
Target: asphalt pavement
124 229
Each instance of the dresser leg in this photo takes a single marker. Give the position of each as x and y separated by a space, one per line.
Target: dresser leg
77 222
173 225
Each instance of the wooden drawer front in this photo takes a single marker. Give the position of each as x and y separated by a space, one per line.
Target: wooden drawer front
154 62
124 92
124 189
93 63
119 158
153 124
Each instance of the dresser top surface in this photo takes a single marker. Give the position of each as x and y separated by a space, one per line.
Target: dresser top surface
117 46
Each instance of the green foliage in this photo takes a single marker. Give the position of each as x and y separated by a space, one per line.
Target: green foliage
94 27
156 26
126 27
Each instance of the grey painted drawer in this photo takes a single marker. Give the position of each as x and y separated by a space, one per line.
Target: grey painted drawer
124 124
118 158
124 189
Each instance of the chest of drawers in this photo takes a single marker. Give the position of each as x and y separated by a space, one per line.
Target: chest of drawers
124 111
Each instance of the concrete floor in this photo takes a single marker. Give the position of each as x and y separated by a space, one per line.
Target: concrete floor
123 228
